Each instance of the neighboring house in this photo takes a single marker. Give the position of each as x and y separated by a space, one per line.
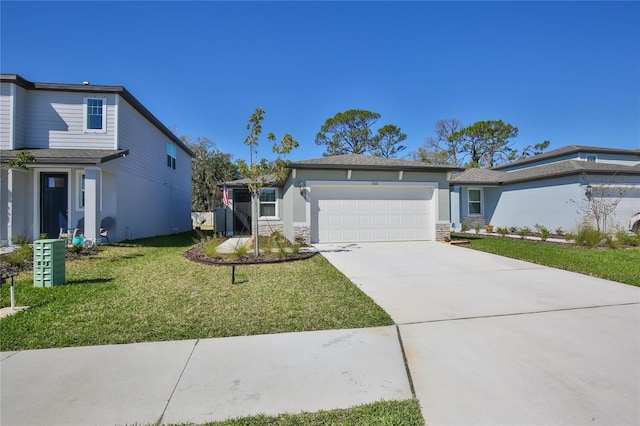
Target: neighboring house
349 198
99 153
551 189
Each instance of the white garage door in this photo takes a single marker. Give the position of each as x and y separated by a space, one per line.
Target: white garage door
355 213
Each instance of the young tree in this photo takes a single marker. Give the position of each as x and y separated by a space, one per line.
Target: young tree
602 200
209 168
262 172
350 132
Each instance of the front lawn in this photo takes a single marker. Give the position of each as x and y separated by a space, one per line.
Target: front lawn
622 264
147 291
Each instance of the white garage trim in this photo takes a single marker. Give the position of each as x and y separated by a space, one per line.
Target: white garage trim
358 211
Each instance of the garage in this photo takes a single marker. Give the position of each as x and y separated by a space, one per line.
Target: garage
373 211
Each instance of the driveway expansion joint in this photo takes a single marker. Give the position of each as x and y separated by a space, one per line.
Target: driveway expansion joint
519 313
406 363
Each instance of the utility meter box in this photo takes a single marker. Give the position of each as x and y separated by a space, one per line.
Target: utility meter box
48 263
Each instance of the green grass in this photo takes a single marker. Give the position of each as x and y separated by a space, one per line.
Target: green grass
622 265
379 413
147 291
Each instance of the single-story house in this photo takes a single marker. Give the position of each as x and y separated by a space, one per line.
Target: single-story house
349 198
99 153
552 189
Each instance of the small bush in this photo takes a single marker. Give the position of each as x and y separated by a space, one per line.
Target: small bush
543 232
513 229
610 241
464 227
626 238
295 249
240 252
210 248
489 229
524 232
502 230
476 228
588 237
560 231
76 248
22 254
20 240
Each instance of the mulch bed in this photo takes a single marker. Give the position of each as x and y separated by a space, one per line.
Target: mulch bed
8 270
196 254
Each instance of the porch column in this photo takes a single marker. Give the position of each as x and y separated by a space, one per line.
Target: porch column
455 207
92 198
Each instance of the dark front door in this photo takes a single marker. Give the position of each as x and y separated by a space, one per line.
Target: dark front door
241 212
53 203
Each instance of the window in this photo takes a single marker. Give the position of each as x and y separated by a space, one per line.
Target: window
95 115
475 201
81 190
591 158
268 203
171 155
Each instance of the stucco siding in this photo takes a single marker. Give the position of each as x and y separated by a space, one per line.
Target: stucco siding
551 204
56 120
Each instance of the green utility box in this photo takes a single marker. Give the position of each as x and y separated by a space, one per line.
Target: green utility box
48 263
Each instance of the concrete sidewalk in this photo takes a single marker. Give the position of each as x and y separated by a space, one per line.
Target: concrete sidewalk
202 380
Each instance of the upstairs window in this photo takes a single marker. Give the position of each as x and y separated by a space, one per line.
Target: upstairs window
171 155
591 158
475 201
268 203
95 115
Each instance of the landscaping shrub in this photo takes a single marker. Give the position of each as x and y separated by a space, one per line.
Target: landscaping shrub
489 228
626 238
21 255
210 247
513 229
543 232
503 231
240 252
524 231
588 237
20 240
560 231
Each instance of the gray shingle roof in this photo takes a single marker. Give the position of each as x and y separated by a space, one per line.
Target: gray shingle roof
560 168
569 149
67 156
358 161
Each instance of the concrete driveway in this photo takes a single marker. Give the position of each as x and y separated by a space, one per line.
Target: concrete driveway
491 340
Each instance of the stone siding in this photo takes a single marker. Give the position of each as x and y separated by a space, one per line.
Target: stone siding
302 234
471 221
443 231
266 228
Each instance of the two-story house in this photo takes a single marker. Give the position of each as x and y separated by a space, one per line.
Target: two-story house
98 153
553 189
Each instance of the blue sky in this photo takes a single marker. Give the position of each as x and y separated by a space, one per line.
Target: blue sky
568 72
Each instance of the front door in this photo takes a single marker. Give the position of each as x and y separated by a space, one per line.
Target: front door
241 212
53 203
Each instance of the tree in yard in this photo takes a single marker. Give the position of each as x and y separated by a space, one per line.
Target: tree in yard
262 172
20 162
209 168
533 149
350 132
602 200
442 148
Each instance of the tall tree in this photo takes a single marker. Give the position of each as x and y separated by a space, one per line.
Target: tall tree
261 172
350 132
443 147
386 143
209 168
533 149
487 143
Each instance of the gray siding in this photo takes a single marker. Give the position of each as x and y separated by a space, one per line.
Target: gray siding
20 119
56 121
152 199
6 113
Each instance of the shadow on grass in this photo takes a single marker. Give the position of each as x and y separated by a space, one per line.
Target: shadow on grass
89 281
185 239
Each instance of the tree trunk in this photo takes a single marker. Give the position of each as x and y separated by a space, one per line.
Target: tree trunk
255 212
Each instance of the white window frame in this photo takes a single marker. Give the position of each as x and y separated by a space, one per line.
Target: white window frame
275 203
85 115
475 202
172 152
